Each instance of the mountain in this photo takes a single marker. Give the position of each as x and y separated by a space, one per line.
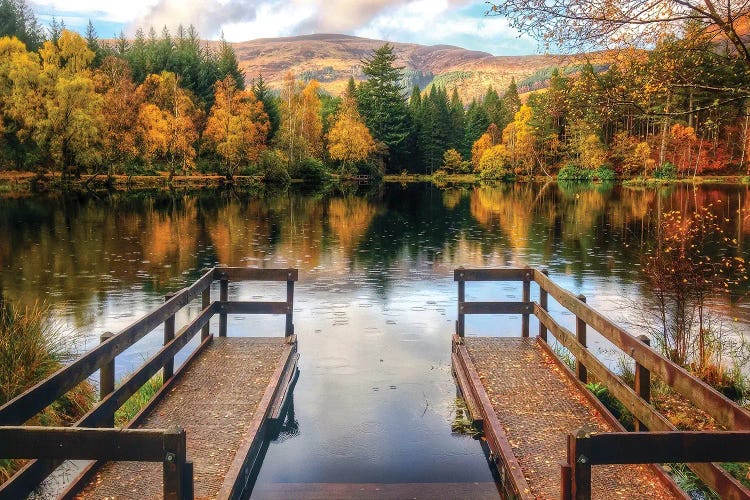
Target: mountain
332 59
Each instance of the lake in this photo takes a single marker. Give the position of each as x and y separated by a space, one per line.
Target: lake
375 305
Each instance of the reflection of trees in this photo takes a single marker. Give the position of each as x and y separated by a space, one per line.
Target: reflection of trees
508 208
349 218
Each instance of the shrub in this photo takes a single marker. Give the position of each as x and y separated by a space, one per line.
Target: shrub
495 164
273 166
605 173
667 171
311 170
453 163
573 172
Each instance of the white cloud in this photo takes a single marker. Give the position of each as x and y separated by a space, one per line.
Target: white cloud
269 22
111 11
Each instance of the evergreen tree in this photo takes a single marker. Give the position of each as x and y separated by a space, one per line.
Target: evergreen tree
493 106
416 114
55 30
18 20
511 104
458 121
270 104
94 46
228 64
122 45
382 105
477 122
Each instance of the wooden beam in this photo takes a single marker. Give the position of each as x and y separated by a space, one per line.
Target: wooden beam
724 410
255 307
493 274
253 274
26 405
497 308
77 443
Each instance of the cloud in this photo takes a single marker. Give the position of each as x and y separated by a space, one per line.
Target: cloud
456 22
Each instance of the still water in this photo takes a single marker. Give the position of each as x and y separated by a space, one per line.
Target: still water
375 304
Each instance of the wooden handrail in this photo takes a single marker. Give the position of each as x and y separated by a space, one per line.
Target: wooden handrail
32 401
586 450
77 443
647 361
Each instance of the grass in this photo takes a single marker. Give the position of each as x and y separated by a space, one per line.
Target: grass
462 422
138 400
32 347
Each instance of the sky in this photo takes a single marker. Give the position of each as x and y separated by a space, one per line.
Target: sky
429 22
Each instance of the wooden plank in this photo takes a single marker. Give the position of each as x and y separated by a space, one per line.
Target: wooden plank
712 474
235 480
286 386
26 405
463 384
135 381
507 274
76 443
493 431
85 475
255 307
497 308
721 408
253 274
670 446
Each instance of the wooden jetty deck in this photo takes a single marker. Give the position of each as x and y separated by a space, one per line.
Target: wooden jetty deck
202 433
545 429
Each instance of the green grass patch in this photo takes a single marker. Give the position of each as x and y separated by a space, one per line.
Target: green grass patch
462 423
138 400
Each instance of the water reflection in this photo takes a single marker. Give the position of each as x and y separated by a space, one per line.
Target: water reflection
375 304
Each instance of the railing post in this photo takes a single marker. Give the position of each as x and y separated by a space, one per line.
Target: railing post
527 299
642 383
461 325
223 297
289 305
174 464
581 336
566 485
580 466
543 300
168 370
107 379
205 302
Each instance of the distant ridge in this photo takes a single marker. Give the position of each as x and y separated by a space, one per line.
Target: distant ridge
332 58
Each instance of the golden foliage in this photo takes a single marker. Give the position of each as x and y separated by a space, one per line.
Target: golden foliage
349 139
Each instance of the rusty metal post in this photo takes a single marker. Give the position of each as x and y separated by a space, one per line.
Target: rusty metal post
168 370
461 298
174 469
543 301
642 383
527 300
581 336
223 297
107 379
205 302
289 305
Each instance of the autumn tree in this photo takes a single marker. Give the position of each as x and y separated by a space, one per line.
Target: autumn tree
167 122
237 126
349 140
300 130
519 138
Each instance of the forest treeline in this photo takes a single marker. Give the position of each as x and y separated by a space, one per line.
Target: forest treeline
73 105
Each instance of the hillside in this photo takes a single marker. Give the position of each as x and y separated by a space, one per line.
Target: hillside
332 59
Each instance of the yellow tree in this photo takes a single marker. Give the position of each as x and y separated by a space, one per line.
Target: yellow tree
518 137
481 145
181 115
349 139
20 96
237 126
120 107
300 132
70 127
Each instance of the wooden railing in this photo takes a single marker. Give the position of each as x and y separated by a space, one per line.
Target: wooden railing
30 403
648 363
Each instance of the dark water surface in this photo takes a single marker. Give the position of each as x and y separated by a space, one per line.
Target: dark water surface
375 304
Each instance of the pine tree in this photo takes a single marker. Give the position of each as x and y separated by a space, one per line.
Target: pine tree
383 107
511 104
228 64
18 20
94 46
270 104
477 122
458 121
493 106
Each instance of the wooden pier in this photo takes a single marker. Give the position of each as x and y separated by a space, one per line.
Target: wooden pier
545 429
202 433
